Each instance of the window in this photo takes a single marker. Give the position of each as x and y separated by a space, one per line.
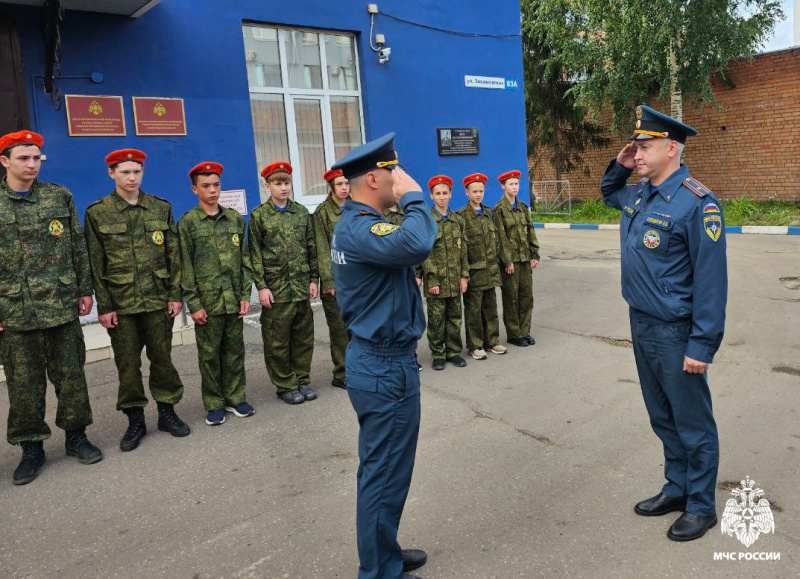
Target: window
305 101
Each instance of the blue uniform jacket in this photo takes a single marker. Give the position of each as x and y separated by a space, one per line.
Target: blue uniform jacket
373 270
673 253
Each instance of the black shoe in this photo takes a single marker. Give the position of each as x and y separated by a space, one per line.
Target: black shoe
689 527
31 463
308 392
168 421
659 505
457 361
438 364
530 340
76 444
338 384
291 397
136 429
414 559
521 342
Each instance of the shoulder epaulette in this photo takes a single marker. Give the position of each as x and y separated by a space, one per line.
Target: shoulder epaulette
159 198
696 187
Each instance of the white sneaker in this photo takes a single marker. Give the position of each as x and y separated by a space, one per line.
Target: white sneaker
478 354
498 349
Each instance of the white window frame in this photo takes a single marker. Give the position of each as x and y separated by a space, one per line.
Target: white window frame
325 93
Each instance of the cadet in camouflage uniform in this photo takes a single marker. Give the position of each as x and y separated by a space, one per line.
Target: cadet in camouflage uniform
519 256
480 299
446 274
135 257
286 273
325 219
45 284
216 279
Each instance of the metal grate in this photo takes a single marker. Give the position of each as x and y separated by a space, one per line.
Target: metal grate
551 197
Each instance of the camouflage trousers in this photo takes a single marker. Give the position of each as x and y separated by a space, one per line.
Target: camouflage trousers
29 359
220 355
152 331
517 290
338 335
288 333
444 326
480 318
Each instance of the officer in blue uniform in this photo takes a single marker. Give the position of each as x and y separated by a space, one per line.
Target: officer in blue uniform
674 277
373 267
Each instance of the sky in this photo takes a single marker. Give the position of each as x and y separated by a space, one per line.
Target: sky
784 31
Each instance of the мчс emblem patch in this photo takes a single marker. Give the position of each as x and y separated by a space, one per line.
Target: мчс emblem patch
713 226
383 228
652 239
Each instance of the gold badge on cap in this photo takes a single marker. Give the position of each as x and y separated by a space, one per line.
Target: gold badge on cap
56 227
208 167
639 112
130 156
158 237
28 136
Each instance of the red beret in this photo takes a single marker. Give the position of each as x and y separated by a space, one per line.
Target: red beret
21 138
438 180
207 167
332 174
275 168
475 178
123 155
509 175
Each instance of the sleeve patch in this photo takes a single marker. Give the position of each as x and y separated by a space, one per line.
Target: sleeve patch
696 187
711 208
383 228
713 226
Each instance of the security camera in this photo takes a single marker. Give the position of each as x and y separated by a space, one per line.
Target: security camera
383 55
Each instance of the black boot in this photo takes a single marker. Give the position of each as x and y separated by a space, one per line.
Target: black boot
31 463
76 444
136 429
168 421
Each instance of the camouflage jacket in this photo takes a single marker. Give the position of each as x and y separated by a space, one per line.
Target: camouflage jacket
282 250
483 247
45 267
396 216
448 261
135 254
325 219
516 232
215 261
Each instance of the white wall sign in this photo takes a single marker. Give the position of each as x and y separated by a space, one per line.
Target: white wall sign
236 200
492 82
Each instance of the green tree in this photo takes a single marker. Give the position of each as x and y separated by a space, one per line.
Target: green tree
559 130
627 51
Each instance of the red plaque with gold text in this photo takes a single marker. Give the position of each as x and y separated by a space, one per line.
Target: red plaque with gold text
95 116
159 116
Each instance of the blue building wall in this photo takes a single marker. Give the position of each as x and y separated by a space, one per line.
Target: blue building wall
195 50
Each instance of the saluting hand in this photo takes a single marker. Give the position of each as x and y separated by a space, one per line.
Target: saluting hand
84 305
627 156
694 366
402 183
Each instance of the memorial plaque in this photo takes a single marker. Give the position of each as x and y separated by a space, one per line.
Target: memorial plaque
458 142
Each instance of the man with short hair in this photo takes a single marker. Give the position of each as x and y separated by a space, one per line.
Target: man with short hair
217 279
135 257
45 284
675 280
373 268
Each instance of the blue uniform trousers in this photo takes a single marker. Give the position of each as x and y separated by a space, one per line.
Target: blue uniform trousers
383 385
679 405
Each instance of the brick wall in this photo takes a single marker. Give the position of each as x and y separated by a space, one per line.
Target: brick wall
750 146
